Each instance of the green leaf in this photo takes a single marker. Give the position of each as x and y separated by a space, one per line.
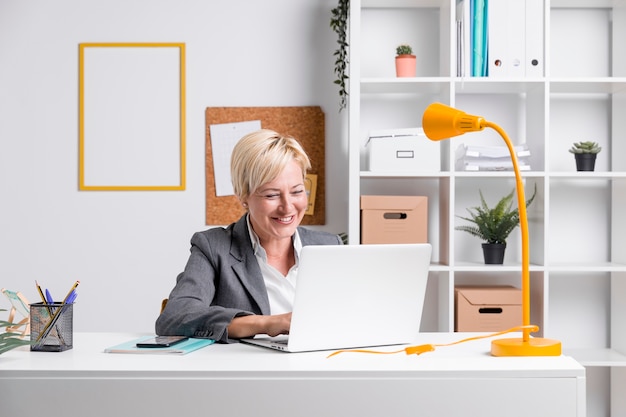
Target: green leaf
494 224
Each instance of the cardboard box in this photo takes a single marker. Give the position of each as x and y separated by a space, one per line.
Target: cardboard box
487 308
394 219
403 150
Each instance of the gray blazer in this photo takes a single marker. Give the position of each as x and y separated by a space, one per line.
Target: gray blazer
222 280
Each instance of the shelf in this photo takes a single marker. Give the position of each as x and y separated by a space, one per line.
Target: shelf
497 174
397 174
579 175
483 174
593 4
577 85
416 85
486 85
466 266
400 3
588 267
597 357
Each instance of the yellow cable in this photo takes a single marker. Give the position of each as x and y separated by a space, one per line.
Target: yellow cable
419 349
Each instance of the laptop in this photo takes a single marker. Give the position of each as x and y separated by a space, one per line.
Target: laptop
353 296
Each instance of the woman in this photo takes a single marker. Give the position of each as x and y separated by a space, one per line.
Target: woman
239 281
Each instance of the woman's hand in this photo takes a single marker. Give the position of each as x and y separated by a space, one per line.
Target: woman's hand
248 326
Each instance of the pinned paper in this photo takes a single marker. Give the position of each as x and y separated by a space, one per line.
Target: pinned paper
224 137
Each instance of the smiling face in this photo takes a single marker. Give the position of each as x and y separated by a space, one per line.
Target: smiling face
276 208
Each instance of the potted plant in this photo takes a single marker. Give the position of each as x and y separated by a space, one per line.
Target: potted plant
585 154
405 61
493 225
10 340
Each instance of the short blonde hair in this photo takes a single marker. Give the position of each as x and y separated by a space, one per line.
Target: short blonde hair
259 157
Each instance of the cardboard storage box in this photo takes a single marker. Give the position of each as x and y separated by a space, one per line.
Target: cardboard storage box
487 308
403 150
394 219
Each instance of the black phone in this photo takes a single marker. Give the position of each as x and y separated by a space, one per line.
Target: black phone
161 341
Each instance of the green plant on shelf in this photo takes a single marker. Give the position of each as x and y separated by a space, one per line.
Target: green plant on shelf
404 49
494 224
585 147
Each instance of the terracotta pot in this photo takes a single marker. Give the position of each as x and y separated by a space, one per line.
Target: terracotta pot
405 65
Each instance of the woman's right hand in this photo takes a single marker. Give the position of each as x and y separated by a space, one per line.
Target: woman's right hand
248 326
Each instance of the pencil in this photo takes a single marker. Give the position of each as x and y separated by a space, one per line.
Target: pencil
50 312
70 292
43 297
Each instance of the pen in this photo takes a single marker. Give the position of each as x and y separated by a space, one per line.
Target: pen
49 298
71 291
71 297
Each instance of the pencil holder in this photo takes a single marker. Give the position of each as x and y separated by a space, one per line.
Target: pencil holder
51 328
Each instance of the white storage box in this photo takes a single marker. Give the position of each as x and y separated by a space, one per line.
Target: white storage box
403 150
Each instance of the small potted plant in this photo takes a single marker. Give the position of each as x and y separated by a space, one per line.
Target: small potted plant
405 61
493 225
585 154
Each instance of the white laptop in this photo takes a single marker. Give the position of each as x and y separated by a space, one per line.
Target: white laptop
350 296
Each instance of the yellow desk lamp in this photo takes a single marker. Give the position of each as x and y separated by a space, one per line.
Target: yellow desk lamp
442 122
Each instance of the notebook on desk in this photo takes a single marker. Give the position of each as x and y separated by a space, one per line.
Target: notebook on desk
355 296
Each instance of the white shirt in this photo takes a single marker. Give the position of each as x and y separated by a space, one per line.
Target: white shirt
280 289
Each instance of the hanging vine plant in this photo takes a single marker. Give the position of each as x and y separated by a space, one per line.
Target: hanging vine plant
339 24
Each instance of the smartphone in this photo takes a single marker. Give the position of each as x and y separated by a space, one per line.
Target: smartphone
161 341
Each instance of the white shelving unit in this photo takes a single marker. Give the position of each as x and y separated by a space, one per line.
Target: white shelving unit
577 226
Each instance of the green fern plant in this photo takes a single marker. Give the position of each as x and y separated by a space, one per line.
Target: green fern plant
494 224
585 147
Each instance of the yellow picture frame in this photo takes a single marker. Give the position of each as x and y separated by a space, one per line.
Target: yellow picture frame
132 117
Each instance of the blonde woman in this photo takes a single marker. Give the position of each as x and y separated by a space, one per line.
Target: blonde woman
239 280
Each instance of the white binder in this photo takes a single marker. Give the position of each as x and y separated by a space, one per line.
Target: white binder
464 46
534 38
507 38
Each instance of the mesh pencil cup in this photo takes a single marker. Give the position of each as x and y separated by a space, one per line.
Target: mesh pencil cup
51 328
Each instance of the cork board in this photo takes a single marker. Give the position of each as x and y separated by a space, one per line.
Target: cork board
306 124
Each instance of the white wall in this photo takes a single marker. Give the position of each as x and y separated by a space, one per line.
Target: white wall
126 248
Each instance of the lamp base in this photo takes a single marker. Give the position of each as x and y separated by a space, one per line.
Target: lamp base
535 346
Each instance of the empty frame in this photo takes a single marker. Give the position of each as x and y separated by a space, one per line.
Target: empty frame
132 116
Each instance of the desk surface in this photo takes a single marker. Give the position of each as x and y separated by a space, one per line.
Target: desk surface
466 359
218 371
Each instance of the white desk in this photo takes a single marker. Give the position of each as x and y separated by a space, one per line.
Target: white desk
461 380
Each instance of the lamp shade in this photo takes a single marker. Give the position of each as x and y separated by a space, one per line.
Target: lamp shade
441 122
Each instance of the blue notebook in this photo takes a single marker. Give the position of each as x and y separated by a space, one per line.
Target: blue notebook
181 348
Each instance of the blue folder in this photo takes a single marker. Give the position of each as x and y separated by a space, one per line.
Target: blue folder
479 37
181 348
